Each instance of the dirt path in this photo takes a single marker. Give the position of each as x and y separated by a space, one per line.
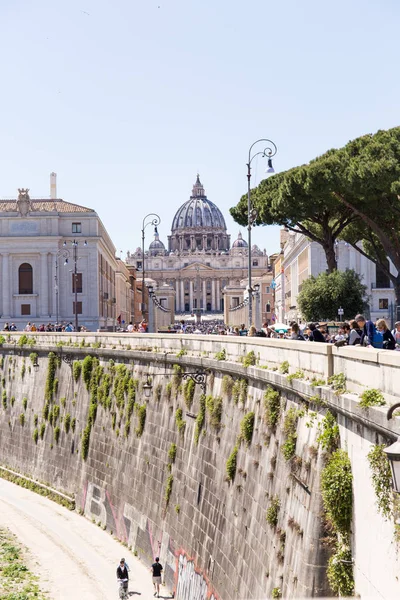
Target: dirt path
75 559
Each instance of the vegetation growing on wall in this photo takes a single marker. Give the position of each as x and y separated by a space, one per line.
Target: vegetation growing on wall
284 368
177 377
372 397
328 433
51 372
172 453
141 413
214 408
168 390
200 419
231 464
381 480
85 441
273 512
247 427
180 422
76 370
250 359
288 448
87 366
188 392
227 386
221 355
272 406
168 489
338 383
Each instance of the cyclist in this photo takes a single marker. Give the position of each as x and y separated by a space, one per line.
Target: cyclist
123 578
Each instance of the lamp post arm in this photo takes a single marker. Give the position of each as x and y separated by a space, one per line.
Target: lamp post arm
392 409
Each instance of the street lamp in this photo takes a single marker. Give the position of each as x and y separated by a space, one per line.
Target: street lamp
155 221
75 244
147 387
268 153
393 454
65 255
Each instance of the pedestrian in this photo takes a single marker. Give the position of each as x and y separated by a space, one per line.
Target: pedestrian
156 569
6 327
355 333
315 334
370 337
389 342
130 327
396 334
296 334
123 575
28 327
252 332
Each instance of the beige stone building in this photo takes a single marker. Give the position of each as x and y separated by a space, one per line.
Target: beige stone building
198 261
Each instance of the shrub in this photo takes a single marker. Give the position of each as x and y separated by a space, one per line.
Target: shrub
85 441
247 427
77 369
372 397
250 359
73 424
141 412
180 422
4 399
328 433
172 453
336 488
381 479
231 464
284 368
55 387
340 572
182 352
177 376
23 340
290 431
221 355
338 383
51 371
299 374
227 386
200 419
2 341
42 430
24 403
272 405
188 392
168 390
276 593
57 434
22 419
23 369
273 512
214 407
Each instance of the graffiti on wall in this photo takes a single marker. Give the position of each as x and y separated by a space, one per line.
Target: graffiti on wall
149 540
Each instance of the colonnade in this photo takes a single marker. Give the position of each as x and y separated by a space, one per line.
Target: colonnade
190 296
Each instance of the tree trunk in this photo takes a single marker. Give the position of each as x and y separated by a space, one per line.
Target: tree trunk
329 249
396 283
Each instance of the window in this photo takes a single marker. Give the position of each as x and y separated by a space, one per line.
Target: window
139 265
25 309
78 283
383 303
255 263
268 307
163 302
267 289
79 308
76 228
382 279
235 302
25 279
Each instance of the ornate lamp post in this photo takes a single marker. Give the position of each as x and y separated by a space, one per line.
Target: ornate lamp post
268 153
155 221
65 255
75 244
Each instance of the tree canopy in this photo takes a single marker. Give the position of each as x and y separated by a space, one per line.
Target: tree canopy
352 193
321 297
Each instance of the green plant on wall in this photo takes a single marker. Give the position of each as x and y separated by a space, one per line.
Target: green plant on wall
288 448
239 391
158 392
276 593
272 406
168 390
172 453
299 374
22 419
182 352
141 414
214 408
51 372
23 340
76 369
168 489
227 386
42 430
188 392
4 398
338 383
247 428
200 419
177 377
25 403
231 464
86 441
328 433
179 420
250 359
372 397
284 368
57 434
381 480
23 369
337 493
35 435
73 424
340 571
87 367
221 355
273 512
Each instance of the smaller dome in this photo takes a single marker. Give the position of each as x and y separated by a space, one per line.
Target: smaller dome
156 246
240 242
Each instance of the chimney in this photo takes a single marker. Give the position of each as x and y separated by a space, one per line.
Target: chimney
53 186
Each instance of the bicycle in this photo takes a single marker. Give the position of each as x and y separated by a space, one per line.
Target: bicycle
123 589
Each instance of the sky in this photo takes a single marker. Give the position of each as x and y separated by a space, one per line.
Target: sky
126 100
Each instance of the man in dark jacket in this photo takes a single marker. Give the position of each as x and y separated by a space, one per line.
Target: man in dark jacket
315 334
367 328
122 575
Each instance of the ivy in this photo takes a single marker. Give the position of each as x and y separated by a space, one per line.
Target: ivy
337 493
372 397
328 433
381 479
168 489
188 392
76 370
172 453
247 427
231 464
276 592
85 441
57 434
338 383
299 374
250 359
221 355
87 367
227 386
180 422
67 422
23 340
284 368
214 407
200 419
272 406
177 376
168 390
35 435
340 571
273 512
42 430
141 413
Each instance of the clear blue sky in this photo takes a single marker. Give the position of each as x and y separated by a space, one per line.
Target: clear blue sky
128 102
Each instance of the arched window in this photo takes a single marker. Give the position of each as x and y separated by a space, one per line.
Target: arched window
25 279
268 307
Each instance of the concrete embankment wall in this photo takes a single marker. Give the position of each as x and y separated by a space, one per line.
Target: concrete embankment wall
211 532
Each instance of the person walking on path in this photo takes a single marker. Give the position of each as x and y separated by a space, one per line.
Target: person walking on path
156 569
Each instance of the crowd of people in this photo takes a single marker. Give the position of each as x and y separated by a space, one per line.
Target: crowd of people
50 327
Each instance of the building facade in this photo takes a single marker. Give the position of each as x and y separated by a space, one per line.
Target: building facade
41 243
198 261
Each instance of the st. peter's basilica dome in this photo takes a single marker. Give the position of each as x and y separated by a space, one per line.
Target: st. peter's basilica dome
198 212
